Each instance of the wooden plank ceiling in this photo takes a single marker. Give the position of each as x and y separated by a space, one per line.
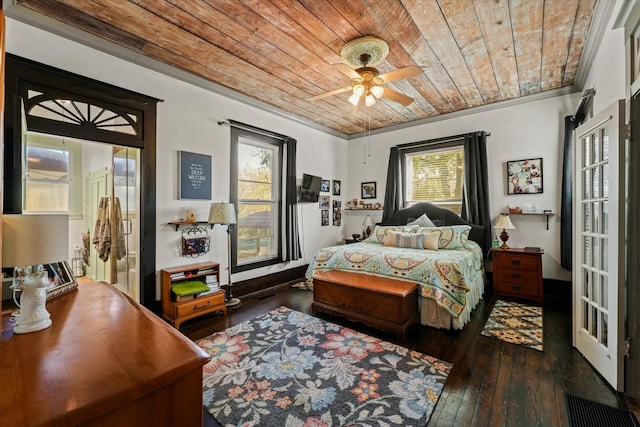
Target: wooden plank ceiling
282 52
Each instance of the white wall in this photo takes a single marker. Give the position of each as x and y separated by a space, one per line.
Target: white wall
187 120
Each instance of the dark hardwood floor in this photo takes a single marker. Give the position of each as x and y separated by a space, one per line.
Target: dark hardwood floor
492 383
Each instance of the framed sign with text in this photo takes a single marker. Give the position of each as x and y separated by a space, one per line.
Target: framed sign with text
194 171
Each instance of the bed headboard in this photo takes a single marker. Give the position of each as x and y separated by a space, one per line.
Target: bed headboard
439 216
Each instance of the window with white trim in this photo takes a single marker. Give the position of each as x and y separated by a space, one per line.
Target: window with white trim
435 175
258 161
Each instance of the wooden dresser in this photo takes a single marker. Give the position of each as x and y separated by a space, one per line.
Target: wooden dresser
518 273
105 361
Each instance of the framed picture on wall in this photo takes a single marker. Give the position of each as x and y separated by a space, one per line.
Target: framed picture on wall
335 187
324 185
368 190
194 171
524 176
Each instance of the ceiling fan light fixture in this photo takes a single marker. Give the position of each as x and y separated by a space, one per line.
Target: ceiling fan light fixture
369 100
377 91
358 90
354 99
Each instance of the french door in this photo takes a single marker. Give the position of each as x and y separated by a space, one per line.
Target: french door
599 257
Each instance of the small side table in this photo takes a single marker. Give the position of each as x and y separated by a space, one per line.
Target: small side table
518 273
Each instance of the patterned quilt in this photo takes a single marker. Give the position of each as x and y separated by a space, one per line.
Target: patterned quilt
442 275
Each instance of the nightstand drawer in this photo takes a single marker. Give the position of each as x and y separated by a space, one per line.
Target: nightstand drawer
517 262
201 304
517 276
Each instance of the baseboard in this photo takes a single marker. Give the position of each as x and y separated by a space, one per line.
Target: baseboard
264 284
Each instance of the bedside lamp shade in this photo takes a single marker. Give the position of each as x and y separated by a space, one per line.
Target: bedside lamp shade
504 223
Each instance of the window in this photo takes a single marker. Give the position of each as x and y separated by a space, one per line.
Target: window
436 175
51 164
256 191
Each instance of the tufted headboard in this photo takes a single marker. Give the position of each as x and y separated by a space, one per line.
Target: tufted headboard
439 216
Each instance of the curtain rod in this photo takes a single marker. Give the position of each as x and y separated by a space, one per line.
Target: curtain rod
438 140
584 101
250 128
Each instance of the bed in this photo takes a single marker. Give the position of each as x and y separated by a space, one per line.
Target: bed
444 256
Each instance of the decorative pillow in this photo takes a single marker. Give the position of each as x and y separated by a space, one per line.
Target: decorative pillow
422 221
404 240
378 234
451 236
431 240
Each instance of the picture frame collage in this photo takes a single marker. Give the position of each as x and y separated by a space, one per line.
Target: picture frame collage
324 203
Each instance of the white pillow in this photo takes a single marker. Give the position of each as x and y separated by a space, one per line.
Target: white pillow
431 240
422 221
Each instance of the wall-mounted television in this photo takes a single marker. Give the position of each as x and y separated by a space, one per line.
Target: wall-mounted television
310 188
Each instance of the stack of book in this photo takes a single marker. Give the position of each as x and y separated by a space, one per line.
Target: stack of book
212 283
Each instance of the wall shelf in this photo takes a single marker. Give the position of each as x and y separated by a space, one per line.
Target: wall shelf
189 223
547 214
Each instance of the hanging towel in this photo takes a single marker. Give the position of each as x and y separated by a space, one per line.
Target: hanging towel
102 230
85 247
121 249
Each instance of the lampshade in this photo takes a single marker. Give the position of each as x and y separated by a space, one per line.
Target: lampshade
368 222
222 213
358 90
354 99
34 239
504 223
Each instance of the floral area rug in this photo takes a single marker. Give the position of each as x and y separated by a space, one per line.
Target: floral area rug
286 368
516 324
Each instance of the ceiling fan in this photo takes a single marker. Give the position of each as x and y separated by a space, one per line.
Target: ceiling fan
366 81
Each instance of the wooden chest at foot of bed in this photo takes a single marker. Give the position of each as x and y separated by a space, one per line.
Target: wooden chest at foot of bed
381 303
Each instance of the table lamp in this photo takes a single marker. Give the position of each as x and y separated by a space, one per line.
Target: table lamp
368 223
28 242
505 224
225 214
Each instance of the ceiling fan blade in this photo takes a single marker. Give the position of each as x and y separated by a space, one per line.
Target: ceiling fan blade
396 96
401 73
355 108
333 92
347 71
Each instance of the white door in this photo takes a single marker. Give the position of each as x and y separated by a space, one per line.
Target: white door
98 186
598 263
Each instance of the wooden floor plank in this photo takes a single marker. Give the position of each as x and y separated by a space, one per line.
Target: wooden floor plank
491 384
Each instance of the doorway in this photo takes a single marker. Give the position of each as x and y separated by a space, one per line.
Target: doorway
60 103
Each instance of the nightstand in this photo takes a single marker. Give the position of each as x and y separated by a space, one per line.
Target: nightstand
518 273
348 241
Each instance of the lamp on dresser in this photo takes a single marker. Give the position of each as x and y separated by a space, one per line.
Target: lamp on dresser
28 242
225 214
504 223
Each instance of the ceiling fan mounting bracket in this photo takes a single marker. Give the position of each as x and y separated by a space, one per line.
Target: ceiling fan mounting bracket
373 49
